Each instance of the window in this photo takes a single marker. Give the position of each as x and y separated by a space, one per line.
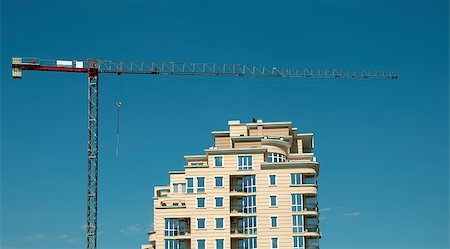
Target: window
201 244
201 202
250 184
200 184
274 244
274 222
175 187
183 187
273 201
312 243
218 181
310 180
249 204
218 202
275 157
219 223
298 242
311 203
174 244
190 185
218 161
220 243
249 224
297 223
170 227
201 224
248 243
244 162
296 179
272 180
312 224
297 200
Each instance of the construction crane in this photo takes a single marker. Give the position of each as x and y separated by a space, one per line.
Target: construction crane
94 67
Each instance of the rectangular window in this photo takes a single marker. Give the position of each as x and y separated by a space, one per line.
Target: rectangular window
273 201
296 179
201 224
297 202
311 203
200 184
201 244
274 222
249 224
274 244
220 244
298 242
183 187
272 180
218 161
312 224
249 204
190 185
175 187
173 244
218 202
312 243
249 184
201 202
297 223
218 181
245 163
275 158
219 223
248 243
309 180
170 227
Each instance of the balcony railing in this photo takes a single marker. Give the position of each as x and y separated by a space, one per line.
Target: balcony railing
312 228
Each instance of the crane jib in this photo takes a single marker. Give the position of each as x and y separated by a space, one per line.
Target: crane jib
94 67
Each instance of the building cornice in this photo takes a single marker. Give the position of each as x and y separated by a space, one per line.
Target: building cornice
258 138
235 151
290 165
272 124
190 158
278 143
197 166
176 172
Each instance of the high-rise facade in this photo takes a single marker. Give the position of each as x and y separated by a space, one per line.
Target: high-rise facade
255 188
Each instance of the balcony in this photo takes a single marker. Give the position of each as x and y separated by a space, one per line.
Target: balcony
170 204
244 243
177 227
241 227
176 243
162 191
242 184
310 203
242 205
312 225
314 166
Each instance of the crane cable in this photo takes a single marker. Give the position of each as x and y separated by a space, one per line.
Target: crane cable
118 103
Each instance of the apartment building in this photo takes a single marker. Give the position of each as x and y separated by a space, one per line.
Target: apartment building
255 188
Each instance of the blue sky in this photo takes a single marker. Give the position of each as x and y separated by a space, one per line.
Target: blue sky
383 144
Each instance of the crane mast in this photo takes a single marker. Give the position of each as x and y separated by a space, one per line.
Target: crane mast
94 67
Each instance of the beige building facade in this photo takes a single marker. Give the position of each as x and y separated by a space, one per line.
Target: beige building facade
255 188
